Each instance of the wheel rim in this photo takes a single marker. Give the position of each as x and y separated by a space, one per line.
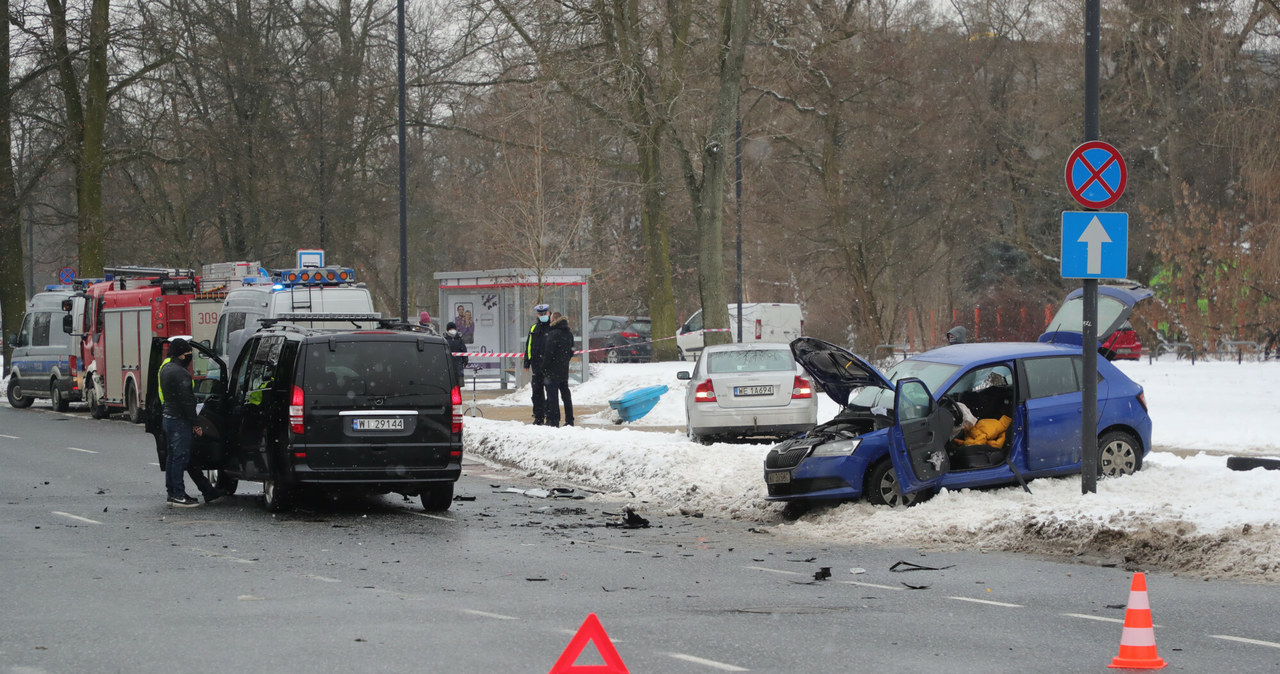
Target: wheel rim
1117 457
54 397
889 492
612 356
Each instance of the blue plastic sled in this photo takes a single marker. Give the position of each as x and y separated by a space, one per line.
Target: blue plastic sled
637 402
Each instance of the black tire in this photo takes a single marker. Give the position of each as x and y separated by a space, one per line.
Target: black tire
437 497
700 439
1118 454
222 481
881 487
133 410
1251 462
56 399
276 496
96 409
16 398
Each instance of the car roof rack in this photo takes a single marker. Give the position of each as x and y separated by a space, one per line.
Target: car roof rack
289 319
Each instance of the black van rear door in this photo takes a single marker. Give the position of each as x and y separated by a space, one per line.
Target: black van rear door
376 400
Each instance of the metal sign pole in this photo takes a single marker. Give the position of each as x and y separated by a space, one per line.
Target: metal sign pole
1089 416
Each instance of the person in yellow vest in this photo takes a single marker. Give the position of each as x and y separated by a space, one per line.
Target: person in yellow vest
177 394
533 349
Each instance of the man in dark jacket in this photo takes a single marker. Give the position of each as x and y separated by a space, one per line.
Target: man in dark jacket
179 424
558 351
533 348
456 345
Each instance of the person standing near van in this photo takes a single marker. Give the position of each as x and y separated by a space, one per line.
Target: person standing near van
558 351
533 350
456 346
179 424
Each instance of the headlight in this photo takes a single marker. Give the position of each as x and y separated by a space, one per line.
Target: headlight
837 448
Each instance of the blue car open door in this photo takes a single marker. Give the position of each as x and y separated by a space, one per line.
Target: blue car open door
918 439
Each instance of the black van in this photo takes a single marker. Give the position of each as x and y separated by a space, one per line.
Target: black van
375 411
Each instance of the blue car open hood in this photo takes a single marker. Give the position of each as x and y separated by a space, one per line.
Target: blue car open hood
836 370
1115 303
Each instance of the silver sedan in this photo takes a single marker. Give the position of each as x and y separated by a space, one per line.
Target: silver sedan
747 390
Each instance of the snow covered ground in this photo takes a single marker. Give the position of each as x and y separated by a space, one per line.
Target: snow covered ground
1184 511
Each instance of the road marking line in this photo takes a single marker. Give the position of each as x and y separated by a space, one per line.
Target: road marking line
323 579
211 553
76 517
611 547
434 517
722 666
987 601
86 451
1093 617
486 614
878 587
1255 642
11 437
762 568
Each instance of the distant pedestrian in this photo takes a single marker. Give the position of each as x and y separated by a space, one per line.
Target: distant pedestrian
424 321
957 335
456 346
179 423
533 349
555 362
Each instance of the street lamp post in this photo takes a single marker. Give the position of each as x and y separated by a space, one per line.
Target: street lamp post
738 201
404 205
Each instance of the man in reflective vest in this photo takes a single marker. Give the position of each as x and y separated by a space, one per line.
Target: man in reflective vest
177 394
533 348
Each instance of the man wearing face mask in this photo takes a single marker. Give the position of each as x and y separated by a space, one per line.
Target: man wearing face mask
533 350
179 424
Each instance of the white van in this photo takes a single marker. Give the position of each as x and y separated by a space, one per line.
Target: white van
309 290
762 322
44 353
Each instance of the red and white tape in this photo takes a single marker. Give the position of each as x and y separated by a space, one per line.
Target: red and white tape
491 354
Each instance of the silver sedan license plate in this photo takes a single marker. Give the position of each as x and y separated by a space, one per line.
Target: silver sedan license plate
379 424
753 390
778 478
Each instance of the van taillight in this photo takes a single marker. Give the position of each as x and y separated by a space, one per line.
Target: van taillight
295 411
455 402
759 329
705 393
801 388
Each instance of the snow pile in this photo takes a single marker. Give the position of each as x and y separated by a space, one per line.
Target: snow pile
1183 512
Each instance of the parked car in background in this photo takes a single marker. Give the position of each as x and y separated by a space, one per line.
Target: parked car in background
1124 343
747 390
761 322
621 339
902 434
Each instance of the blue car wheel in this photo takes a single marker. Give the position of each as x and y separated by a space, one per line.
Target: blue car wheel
882 487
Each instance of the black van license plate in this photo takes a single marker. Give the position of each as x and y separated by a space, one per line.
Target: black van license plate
378 424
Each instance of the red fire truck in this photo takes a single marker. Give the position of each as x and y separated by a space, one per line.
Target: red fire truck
120 317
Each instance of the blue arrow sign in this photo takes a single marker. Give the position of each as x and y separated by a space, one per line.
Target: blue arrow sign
1095 244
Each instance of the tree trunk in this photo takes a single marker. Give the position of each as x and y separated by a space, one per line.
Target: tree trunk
12 290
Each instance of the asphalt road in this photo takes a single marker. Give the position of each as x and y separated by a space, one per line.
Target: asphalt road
99 575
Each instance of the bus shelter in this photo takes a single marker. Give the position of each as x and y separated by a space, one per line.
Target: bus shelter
493 310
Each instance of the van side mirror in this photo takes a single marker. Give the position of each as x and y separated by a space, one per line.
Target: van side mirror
66 304
14 341
67 323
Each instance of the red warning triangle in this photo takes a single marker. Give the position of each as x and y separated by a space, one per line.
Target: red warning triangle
591 630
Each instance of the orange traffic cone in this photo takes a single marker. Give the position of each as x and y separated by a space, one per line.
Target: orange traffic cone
1138 640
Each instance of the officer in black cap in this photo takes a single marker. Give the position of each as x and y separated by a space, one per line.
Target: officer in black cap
533 349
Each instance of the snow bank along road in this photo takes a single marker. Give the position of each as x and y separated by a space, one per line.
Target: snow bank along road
1184 512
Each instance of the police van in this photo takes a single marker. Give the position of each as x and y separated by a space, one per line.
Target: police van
303 290
44 355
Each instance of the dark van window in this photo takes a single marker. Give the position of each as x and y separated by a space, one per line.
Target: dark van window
1051 376
375 368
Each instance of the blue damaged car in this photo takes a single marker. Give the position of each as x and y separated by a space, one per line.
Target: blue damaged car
967 415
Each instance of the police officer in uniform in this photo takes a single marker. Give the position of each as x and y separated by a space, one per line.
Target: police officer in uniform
533 350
